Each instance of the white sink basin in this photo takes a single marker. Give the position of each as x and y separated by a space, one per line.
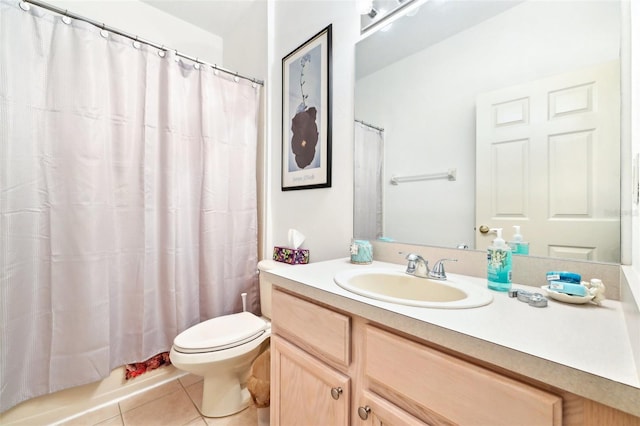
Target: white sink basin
398 287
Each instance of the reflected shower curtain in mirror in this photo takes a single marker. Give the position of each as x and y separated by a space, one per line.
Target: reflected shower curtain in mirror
127 201
368 182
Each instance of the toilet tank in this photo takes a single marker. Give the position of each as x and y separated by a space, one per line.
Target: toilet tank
265 284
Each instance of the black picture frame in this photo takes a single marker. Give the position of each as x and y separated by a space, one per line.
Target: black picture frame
306 114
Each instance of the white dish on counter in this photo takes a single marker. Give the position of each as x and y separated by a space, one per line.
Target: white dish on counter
567 298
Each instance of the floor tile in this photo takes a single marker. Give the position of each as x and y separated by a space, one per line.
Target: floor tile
197 422
247 417
190 379
95 416
173 409
150 395
195 393
113 421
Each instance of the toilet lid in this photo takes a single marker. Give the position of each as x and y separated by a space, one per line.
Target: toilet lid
220 333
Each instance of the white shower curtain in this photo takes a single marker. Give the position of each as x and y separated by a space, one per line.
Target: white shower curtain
127 200
368 220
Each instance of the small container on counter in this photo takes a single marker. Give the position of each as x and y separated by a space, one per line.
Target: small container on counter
361 252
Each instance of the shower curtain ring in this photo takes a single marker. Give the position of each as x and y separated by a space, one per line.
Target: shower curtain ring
66 18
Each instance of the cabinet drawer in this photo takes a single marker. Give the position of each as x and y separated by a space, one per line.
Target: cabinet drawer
314 328
429 381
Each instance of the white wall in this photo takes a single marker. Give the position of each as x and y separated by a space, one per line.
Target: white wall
430 109
147 22
245 48
323 215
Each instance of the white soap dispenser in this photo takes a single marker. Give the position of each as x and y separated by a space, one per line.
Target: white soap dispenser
518 246
499 264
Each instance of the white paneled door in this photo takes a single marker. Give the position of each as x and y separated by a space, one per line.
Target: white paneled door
548 159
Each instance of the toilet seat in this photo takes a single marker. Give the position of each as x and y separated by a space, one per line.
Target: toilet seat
220 333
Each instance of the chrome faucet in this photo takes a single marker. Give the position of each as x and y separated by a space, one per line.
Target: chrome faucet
437 273
417 265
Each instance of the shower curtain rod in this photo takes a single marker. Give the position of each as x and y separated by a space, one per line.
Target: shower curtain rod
380 129
102 26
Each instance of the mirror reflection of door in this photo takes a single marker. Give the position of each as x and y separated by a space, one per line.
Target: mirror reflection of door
368 181
547 159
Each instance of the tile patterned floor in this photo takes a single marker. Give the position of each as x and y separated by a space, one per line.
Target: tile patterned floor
171 404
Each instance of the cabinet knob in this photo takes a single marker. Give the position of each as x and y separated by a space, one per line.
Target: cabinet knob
336 392
363 412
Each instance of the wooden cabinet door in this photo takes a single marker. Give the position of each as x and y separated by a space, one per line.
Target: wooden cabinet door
304 390
376 411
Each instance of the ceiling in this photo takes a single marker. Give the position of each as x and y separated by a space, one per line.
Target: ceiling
219 17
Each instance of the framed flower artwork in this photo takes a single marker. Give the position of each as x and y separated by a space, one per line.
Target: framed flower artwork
306 114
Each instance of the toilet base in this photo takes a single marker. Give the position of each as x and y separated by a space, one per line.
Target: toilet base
224 396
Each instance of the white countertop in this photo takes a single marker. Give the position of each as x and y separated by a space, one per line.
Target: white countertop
584 349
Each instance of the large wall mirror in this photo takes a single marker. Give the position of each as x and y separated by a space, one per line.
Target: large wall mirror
475 115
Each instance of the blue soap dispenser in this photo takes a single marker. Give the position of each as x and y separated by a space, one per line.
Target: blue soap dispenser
518 246
499 264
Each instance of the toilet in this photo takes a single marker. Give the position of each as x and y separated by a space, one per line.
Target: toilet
222 349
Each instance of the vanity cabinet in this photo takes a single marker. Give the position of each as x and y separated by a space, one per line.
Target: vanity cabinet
443 389
308 381
335 368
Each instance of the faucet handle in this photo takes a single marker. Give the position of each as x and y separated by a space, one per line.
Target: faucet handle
437 272
417 265
411 258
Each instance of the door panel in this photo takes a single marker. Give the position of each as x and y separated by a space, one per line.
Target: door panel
548 158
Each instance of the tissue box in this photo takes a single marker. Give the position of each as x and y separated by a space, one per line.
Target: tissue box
291 256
